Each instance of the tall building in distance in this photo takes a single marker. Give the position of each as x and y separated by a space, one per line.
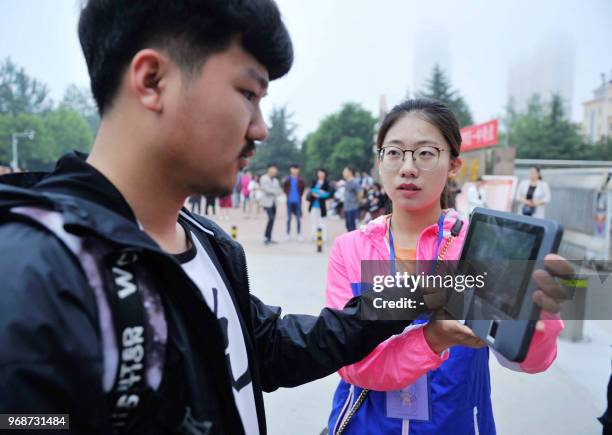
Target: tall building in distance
545 70
431 47
597 120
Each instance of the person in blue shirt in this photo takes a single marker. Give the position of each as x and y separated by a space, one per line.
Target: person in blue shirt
294 188
320 191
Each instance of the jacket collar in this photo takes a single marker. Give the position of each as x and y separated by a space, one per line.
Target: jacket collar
87 200
378 226
75 177
376 230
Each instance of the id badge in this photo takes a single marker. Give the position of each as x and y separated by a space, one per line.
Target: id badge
412 402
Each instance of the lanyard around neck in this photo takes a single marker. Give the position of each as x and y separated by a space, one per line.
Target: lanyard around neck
392 247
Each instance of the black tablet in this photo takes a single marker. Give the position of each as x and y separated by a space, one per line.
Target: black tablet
504 249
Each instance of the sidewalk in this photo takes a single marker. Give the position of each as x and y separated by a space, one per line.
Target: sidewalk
566 399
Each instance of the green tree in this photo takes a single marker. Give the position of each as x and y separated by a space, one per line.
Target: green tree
27 148
563 136
56 132
65 130
24 106
280 147
81 101
600 150
343 138
19 93
439 88
543 131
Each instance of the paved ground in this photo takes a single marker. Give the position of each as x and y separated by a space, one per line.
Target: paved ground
564 400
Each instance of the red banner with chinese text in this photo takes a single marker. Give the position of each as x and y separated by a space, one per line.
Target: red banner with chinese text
478 136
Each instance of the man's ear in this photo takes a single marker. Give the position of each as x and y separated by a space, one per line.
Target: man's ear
147 78
455 165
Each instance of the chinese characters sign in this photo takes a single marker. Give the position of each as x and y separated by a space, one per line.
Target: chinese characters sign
478 136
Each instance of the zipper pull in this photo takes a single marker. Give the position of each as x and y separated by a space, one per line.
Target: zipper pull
456 229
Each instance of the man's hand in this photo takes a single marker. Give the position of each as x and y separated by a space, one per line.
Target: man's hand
441 334
550 293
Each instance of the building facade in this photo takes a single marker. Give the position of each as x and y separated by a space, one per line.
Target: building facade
597 120
547 68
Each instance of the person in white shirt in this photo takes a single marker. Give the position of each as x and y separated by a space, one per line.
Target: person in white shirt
270 186
476 195
533 194
255 193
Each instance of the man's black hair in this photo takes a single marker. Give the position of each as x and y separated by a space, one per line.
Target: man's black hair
113 31
272 165
294 165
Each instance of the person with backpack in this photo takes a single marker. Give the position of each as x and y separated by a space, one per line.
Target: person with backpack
118 306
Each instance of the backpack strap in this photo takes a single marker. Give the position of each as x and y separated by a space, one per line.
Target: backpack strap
127 305
120 297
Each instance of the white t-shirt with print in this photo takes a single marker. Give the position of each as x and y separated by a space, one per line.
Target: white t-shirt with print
204 274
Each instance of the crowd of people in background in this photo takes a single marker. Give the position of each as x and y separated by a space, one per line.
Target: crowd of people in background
356 198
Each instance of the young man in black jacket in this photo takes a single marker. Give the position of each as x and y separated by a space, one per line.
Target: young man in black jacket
117 306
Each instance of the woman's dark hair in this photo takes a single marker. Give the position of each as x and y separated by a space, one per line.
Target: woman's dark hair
434 112
315 178
538 170
111 32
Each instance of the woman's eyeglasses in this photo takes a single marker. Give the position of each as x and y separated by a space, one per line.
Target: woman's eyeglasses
425 158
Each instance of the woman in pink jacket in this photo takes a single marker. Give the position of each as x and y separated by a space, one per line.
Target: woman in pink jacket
434 377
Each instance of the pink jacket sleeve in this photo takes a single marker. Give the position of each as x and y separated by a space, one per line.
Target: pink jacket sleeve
543 348
393 364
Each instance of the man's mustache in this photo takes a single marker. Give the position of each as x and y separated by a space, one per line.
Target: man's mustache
248 148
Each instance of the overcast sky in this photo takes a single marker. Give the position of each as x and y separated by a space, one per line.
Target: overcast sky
356 50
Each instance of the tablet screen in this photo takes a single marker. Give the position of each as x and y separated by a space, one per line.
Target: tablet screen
502 249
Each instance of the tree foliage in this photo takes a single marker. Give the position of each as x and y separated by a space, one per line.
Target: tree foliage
24 105
601 150
439 88
81 101
28 149
56 132
342 139
20 93
543 131
280 147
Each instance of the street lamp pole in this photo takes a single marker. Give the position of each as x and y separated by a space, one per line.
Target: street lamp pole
29 134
